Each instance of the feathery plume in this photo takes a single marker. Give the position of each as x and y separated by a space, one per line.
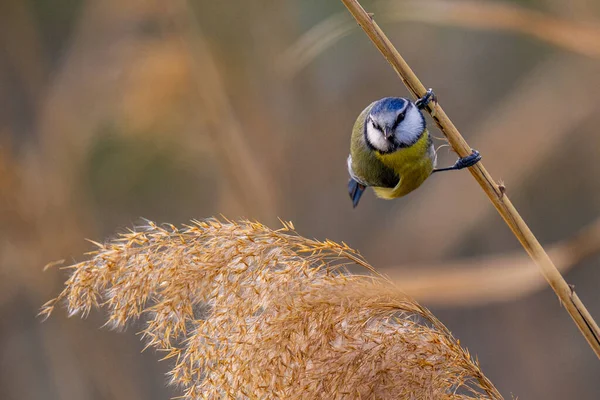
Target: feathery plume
249 312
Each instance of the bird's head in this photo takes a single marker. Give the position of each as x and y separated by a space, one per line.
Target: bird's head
393 123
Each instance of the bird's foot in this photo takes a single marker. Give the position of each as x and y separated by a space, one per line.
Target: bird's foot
463 162
425 100
468 161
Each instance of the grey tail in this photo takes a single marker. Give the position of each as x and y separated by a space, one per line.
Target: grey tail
355 190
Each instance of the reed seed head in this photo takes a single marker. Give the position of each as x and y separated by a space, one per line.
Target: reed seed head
244 311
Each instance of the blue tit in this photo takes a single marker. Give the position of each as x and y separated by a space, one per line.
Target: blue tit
391 149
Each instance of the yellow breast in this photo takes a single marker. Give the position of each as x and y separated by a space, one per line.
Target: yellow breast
413 165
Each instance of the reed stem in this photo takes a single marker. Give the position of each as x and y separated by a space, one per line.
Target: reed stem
566 293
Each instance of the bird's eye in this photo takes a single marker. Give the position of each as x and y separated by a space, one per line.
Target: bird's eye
399 119
376 126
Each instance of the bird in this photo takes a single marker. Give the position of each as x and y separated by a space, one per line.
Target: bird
391 149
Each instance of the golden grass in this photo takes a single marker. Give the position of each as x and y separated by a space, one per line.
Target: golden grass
249 312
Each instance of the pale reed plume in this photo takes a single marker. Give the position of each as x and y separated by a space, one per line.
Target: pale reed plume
244 311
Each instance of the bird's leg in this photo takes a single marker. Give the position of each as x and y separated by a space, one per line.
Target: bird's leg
461 163
425 100
464 162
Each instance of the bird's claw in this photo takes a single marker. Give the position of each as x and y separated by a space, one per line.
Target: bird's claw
463 162
468 161
426 99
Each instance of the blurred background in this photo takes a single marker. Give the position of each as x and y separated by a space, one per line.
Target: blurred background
111 111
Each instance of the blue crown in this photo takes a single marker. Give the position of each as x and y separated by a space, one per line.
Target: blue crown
389 104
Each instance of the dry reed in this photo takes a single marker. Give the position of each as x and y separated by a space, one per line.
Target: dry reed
490 279
250 180
249 312
571 301
554 82
574 36
512 115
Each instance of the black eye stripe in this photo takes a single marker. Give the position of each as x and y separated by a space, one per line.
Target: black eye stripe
376 125
399 119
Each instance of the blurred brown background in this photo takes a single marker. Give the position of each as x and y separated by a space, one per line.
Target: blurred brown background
171 110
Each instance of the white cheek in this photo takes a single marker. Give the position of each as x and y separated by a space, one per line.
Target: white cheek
411 127
376 139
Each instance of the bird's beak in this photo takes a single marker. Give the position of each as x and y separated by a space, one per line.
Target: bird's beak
387 132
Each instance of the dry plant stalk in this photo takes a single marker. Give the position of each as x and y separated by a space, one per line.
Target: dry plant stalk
249 312
252 187
577 37
574 306
489 279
